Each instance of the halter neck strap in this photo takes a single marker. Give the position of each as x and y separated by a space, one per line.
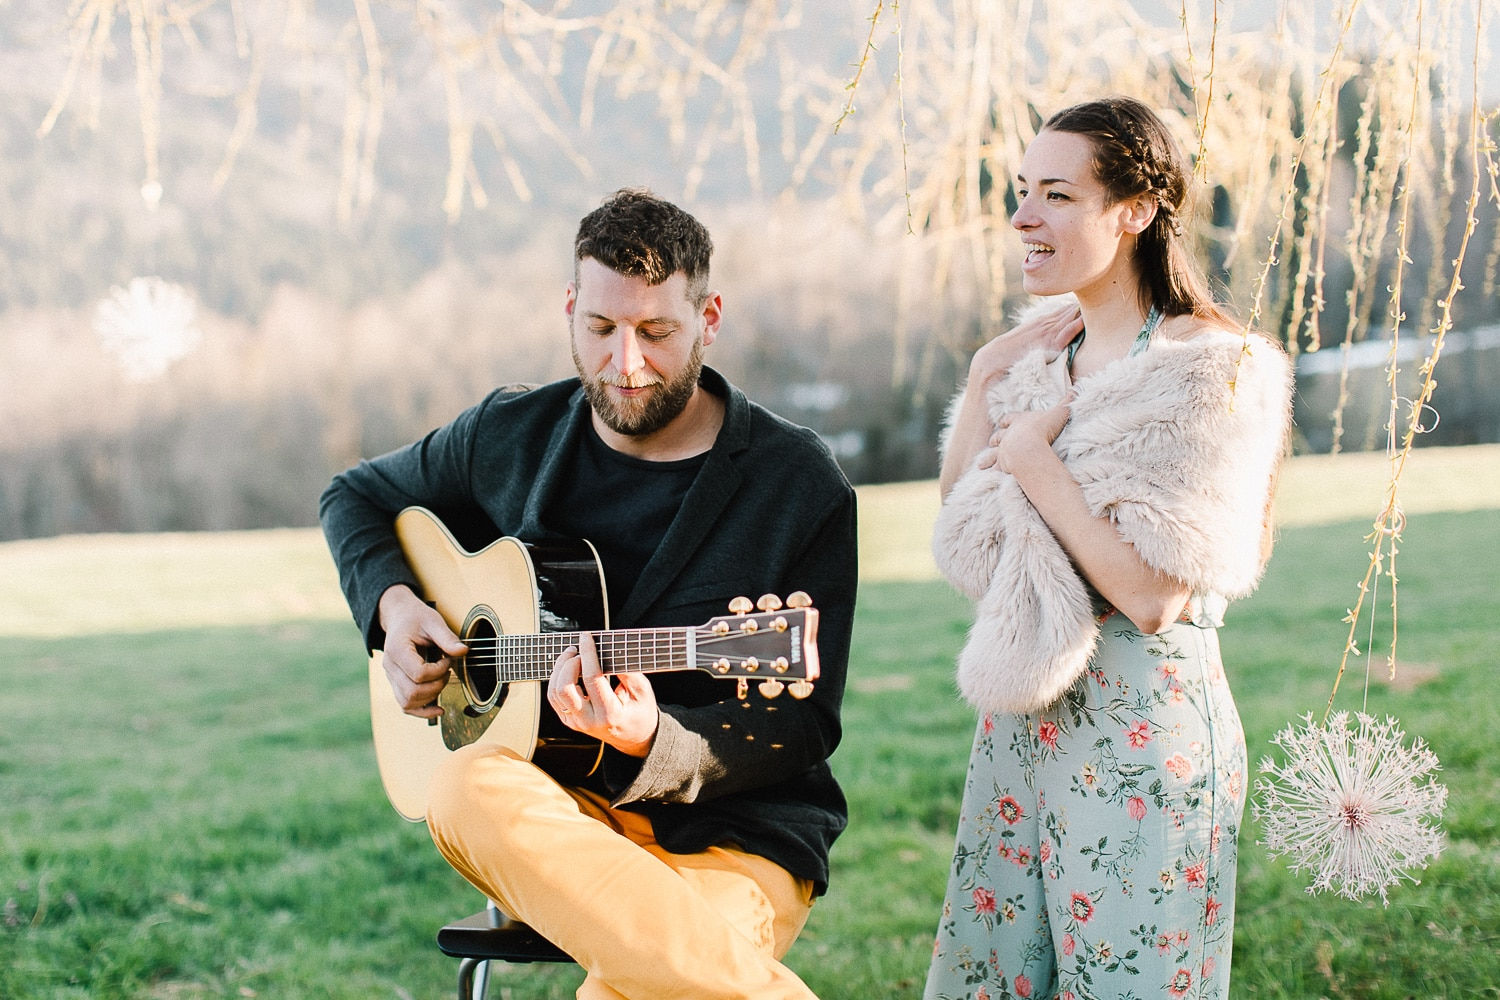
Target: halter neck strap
1142 339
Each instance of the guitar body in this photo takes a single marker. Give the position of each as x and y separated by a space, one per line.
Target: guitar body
510 587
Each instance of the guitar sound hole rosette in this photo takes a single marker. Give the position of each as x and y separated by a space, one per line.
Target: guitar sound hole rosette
480 667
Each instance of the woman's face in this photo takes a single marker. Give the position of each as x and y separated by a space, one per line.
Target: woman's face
1072 241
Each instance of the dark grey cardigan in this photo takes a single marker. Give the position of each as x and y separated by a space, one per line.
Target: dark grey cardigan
769 512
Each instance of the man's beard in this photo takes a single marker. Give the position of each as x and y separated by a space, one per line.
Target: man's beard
635 418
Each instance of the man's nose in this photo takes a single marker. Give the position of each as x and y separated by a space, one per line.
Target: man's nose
628 358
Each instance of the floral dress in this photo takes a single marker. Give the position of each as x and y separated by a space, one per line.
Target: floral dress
1097 838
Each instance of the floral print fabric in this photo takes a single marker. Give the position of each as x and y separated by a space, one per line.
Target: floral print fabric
1097 839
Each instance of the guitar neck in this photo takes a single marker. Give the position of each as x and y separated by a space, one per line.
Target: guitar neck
621 651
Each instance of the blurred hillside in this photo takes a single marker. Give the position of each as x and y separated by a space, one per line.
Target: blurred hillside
224 284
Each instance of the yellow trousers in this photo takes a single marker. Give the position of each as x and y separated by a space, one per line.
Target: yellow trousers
645 923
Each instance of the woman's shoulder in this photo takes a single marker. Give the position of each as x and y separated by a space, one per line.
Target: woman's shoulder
1211 335
1188 327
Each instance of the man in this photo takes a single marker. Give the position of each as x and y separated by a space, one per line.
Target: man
686 864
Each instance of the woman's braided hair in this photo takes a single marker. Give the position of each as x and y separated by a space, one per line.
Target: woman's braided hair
1135 156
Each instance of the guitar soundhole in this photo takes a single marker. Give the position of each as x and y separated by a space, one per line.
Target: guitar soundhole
481 675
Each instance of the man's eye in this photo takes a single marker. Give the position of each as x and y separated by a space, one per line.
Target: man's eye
603 330
655 336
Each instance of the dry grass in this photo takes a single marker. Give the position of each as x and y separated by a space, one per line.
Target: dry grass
89 584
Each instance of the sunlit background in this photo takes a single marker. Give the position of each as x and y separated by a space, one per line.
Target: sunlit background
247 243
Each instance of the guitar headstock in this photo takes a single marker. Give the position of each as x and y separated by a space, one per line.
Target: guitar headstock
776 645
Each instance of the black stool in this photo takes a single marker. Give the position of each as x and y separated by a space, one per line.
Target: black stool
492 936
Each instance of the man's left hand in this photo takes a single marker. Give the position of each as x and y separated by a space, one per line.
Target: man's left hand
618 709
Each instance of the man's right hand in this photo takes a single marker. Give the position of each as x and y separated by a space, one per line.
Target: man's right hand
419 647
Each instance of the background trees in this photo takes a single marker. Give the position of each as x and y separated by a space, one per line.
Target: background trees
369 205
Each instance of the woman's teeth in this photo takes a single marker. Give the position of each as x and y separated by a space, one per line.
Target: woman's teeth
1036 251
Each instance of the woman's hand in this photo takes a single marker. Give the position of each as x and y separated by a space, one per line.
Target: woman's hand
1049 331
1022 434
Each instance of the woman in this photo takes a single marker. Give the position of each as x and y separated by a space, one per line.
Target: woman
1106 485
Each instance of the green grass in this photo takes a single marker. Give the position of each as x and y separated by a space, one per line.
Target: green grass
195 813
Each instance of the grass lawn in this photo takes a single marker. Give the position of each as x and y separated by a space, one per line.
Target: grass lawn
193 812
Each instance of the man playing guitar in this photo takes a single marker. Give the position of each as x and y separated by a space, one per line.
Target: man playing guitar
684 861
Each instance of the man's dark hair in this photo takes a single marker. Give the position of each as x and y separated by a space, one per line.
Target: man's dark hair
638 234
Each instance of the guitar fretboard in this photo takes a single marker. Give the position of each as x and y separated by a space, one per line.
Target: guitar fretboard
530 657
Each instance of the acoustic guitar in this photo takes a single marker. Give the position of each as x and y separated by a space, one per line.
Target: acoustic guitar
517 606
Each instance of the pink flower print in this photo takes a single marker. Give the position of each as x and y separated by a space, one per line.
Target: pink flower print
1009 810
1090 775
1236 783
1139 734
1213 838
983 994
1211 911
1068 944
1136 807
1066 995
1208 969
1081 907
989 724
1045 851
1181 983
1179 767
1023 986
1197 876
1048 732
1008 912
1163 943
984 901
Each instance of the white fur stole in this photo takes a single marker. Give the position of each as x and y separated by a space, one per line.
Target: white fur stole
1176 446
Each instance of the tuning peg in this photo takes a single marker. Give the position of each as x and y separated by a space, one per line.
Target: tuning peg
779 623
801 689
771 688
798 599
741 606
750 664
742 689
769 602
722 665
780 665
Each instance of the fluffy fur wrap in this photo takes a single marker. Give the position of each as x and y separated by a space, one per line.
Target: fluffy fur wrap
1176 445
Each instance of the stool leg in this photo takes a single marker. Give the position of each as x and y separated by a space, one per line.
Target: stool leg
473 978
481 981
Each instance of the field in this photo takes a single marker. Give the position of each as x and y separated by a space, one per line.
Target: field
189 807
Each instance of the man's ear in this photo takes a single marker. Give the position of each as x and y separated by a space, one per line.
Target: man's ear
713 316
570 300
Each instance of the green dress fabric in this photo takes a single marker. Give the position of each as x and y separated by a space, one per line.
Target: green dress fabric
1097 839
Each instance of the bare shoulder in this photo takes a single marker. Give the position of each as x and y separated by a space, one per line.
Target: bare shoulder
1187 327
